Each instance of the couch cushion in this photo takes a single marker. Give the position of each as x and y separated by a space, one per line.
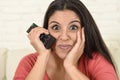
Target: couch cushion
13 59
3 52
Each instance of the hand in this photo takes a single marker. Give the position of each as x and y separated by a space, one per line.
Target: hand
36 42
76 52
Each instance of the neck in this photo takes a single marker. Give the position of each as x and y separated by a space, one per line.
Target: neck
59 62
54 65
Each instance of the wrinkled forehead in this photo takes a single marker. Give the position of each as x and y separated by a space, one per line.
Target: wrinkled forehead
64 15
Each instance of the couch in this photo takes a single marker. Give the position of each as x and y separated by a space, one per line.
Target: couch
9 60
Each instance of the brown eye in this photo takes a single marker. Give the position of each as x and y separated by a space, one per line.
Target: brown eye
73 27
55 27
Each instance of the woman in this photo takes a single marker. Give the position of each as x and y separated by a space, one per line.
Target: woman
79 52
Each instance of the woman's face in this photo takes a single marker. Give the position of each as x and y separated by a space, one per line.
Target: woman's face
64 25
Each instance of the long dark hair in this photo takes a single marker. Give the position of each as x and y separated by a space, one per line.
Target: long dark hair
93 39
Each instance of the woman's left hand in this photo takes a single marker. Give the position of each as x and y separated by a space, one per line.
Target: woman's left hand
76 52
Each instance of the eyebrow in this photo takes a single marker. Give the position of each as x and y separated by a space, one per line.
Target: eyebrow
69 23
54 22
75 21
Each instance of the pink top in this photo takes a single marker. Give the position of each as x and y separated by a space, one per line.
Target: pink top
97 68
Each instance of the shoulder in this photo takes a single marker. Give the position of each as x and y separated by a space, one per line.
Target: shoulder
30 56
29 59
98 60
100 68
25 65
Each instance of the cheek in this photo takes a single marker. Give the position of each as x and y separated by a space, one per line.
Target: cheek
73 37
54 34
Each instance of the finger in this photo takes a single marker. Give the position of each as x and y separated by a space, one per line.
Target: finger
82 44
77 44
75 53
40 30
83 35
36 32
78 40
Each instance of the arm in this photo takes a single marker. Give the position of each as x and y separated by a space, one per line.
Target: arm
27 67
75 74
101 69
38 71
30 65
70 63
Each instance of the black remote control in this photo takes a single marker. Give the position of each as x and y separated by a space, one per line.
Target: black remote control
47 40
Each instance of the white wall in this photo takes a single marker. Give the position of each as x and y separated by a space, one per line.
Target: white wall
17 15
15 18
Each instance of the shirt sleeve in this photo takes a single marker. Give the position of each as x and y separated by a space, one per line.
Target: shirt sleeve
24 67
101 69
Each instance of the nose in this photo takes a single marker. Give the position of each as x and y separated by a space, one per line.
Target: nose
64 36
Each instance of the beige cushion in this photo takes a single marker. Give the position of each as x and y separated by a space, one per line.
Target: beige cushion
3 52
115 52
13 59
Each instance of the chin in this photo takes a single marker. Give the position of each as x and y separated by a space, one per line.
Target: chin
62 54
